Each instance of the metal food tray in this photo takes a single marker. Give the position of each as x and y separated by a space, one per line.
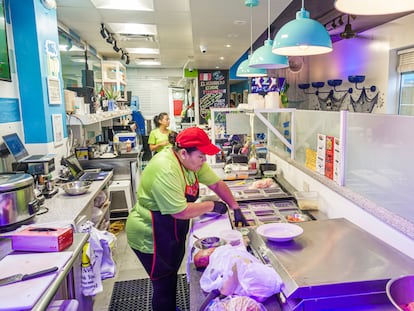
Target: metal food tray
244 191
263 212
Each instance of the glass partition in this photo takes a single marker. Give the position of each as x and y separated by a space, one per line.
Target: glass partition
379 160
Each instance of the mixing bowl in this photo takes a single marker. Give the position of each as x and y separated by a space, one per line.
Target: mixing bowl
400 291
76 187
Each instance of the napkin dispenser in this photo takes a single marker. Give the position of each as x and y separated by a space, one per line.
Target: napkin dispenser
37 239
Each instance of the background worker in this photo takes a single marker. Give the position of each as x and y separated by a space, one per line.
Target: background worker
158 138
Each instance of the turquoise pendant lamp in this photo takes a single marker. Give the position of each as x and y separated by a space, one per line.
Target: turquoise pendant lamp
244 70
263 57
374 7
302 36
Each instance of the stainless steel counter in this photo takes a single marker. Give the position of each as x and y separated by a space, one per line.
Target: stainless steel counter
333 265
66 277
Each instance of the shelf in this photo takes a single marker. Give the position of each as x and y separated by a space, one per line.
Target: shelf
93 118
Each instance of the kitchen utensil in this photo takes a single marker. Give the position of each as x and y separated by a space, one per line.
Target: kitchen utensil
76 187
208 242
400 291
23 277
18 203
209 217
279 232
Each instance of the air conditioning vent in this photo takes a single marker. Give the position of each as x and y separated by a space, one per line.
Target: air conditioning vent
136 37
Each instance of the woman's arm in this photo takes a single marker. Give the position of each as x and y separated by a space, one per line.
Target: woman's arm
224 192
195 209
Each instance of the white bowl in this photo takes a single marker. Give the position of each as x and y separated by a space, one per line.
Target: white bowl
279 232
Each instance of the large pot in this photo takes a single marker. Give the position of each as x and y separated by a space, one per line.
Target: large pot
18 203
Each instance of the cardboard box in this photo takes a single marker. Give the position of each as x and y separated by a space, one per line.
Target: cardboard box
38 239
337 162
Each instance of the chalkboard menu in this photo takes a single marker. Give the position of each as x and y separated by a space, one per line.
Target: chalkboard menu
212 89
4 50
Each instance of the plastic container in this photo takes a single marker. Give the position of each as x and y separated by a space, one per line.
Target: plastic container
400 292
307 200
232 237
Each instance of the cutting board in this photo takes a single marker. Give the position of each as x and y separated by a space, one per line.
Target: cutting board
24 295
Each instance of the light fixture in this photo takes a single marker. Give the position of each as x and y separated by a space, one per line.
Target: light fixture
115 47
104 32
302 36
374 7
110 39
244 70
263 57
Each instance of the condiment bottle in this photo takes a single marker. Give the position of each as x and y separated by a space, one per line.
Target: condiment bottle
128 145
253 160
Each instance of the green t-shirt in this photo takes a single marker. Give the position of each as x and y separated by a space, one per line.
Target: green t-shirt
162 188
156 137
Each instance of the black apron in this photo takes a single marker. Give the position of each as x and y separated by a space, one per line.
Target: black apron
169 236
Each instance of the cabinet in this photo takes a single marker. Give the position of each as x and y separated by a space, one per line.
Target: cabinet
114 76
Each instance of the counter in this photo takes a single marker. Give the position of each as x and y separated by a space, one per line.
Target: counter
64 210
333 265
72 209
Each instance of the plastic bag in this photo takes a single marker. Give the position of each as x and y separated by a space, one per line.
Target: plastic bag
235 303
97 261
235 271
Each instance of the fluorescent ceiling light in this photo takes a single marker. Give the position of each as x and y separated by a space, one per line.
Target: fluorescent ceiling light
143 51
132 28
374 7
131 5
147 62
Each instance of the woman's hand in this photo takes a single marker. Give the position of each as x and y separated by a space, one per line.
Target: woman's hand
239 218
219 207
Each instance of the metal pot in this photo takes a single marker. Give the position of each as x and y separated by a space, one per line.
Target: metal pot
18 203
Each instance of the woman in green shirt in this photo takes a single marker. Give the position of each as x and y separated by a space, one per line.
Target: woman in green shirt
158 138
158 224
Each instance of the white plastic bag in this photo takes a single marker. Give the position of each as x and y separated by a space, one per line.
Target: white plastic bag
97 261
235 271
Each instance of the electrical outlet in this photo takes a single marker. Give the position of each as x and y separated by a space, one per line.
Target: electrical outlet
305 186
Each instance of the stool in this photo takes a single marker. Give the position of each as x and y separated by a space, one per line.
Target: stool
123 186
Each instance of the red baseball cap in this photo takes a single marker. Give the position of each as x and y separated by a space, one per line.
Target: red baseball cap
196 137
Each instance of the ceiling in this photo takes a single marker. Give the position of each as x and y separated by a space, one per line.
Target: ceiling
185 25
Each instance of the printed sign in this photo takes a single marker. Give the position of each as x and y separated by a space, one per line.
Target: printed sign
213 90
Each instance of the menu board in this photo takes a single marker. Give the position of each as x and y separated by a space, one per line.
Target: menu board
212 90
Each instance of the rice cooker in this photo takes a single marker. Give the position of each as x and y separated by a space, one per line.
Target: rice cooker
18 203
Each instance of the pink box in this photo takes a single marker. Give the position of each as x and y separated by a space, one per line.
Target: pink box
42 239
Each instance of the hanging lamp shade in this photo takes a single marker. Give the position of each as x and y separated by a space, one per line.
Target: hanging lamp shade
244 70
263 57
374 7
302 36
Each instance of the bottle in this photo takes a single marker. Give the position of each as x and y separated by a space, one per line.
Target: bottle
253 160
128 145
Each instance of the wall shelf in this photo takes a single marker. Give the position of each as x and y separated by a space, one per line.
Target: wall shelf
93 118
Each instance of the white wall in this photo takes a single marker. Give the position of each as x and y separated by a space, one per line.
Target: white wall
369 55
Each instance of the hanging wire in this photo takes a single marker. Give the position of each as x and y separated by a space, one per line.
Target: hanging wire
268 19
251 29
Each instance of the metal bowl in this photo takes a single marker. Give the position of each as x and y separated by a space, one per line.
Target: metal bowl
209 242
296 217
76 187
400 291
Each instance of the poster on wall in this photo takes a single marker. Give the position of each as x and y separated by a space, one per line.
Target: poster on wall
57 124
264 85
54 91
212 90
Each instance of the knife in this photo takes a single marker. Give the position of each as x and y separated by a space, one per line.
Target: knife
23 277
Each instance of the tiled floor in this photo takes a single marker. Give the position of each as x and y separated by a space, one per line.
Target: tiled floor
128 268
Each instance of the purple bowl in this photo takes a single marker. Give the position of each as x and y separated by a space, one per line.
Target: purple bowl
400 291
